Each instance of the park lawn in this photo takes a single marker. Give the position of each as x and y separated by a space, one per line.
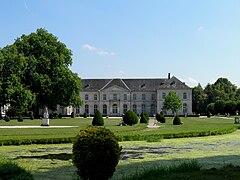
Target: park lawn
190 125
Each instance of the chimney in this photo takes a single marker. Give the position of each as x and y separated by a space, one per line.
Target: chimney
169 75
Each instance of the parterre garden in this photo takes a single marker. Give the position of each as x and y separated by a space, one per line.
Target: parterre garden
54 160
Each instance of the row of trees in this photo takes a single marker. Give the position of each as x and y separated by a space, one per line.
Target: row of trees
221 97
34 73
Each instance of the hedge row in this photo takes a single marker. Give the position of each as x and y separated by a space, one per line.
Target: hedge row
125 137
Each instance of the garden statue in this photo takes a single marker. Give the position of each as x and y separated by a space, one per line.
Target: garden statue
45 119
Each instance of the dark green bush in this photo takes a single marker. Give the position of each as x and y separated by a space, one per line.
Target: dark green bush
60 116
20 118
177 121
144 118
10 170
130 118
96 153
85 115
31 116
160 118
97 119
7 118
208 114
72 115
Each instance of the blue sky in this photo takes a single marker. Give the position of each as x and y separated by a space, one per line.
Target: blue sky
196 41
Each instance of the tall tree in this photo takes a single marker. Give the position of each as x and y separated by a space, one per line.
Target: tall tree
172 102
45 72
199 100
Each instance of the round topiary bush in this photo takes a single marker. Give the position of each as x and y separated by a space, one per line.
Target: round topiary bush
60 116
85 115
96 153
208 114
97 119
130 118
72 115
144 118
177 121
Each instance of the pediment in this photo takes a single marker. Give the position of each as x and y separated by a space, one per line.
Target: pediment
116 88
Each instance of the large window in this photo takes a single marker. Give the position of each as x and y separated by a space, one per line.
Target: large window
143 97
153 97
163 95
95 108
87 108
184 95
125 108
115 109
104 97
153 109
115 97
134 97
95 97
104 109
125 97
185 108
143 108
135 108
86 97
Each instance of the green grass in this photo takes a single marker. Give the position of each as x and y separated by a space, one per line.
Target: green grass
192 127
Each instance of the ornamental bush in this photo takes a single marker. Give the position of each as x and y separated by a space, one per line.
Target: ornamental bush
72 115
144 118
97 119
130 118
96 153
177 121
7 118
160 118
20 118
85 115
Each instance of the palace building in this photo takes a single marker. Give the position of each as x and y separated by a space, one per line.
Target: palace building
113 97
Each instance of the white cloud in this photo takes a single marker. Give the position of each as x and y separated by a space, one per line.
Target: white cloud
190 82
98 51
26 6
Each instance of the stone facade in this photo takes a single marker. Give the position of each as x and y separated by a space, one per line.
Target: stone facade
113 97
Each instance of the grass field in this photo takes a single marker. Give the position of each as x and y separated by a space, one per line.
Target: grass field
193 125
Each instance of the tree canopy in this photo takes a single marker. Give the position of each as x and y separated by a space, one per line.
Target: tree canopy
172 102
35 71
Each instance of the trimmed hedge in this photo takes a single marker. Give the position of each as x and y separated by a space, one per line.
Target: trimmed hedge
98 119
130 118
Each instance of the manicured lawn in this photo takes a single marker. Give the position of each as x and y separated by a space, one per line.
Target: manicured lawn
136 132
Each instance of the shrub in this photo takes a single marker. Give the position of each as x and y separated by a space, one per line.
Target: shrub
7 118
96 153
85 115
72 115
208 114
160 118
31 116
20 118
130 118
97 119
177 121
60 116
10 170
144 118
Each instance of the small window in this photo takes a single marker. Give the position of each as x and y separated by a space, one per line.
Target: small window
125 97
114 97
95 97
184 95
143 96
134 96
163 95
86 97
104 97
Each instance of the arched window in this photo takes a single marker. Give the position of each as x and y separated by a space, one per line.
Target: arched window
115 109
87 108
86 97
135 108
95 108
125 108
104 109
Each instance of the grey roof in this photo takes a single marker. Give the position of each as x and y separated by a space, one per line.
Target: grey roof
134 84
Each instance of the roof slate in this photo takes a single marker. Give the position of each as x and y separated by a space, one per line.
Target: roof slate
134 84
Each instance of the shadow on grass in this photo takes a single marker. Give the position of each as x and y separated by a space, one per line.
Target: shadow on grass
127 170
